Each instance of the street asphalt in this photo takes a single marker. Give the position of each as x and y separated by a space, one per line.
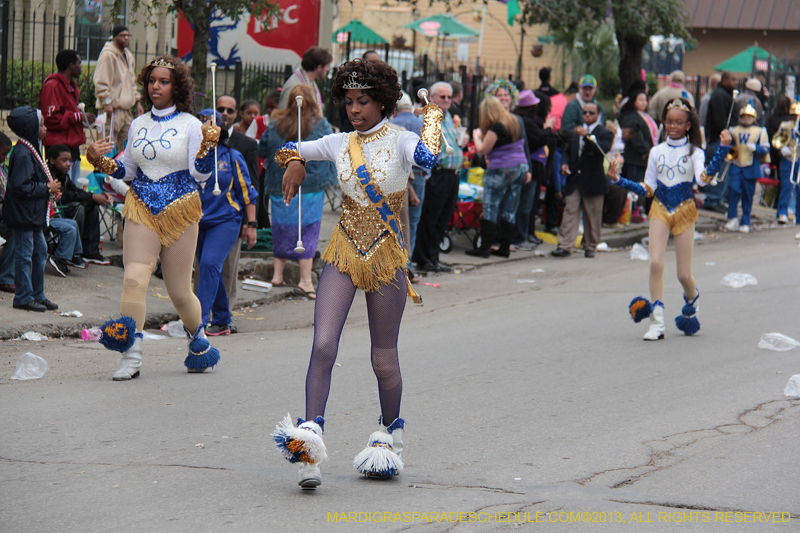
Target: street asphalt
531 403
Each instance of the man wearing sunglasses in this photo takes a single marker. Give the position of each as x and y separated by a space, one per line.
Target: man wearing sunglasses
586 184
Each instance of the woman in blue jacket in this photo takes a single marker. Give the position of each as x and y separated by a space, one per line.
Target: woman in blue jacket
220 228
320 175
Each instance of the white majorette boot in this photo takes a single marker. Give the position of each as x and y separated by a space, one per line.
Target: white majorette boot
201 354
131 361
302 444
688 321
381 459
657 327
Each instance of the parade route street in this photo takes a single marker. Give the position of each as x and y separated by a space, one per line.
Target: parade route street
536 398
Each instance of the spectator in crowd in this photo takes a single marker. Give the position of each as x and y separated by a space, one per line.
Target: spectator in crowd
441 190
315 65
639 132
675 89
79 205
720 108
750 95
505 91
779 116
545 87
371 55
252 123
501 138
58 100
29 196
586 184
532 108
573 112
319 176
220 229
458 96
765 95
115 85
407 119
558 103
7 253
702 112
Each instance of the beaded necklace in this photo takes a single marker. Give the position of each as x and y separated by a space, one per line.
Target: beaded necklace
302 74
53 196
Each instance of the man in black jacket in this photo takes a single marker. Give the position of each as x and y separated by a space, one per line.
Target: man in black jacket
719 109
81 206
586 184
25 209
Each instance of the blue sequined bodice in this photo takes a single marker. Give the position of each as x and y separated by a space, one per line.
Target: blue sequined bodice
673 196
158 194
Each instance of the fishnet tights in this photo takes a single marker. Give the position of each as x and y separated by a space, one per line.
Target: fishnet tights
335 295
140 255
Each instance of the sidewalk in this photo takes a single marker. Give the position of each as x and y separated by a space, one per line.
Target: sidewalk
96 291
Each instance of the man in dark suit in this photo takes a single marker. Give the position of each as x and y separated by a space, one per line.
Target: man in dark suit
586 184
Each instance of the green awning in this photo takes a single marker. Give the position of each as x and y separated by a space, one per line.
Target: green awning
743 61
359 33
444 24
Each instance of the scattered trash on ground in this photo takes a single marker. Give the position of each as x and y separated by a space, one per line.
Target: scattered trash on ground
699 236
174 328
159 295
539 253
710 263
737 280
30 366
777 342
200 445
640 252
526 281
793 387
603 247
256 285
76 314
434 285
31 336
91 334
152 336
537 270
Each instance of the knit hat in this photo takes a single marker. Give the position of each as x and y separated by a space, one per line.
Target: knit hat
753 84
118 29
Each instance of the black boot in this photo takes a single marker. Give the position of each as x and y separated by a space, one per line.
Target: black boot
487 236
506 232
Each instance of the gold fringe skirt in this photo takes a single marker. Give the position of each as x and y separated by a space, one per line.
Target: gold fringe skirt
680 219
372 272
171 222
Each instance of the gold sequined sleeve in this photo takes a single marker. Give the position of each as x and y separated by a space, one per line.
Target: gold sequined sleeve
432 128
210 140
104 164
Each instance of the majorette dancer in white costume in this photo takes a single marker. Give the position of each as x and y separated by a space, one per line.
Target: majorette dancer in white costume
673 167
365 252
169 153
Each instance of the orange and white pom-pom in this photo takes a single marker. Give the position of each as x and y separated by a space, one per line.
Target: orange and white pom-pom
301 443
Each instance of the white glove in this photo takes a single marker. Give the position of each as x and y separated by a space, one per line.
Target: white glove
751 146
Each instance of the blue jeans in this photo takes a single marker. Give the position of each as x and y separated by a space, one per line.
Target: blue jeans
29 259
415 211
715 193
213 246
501 192
527 198
7 262
69 244
786 186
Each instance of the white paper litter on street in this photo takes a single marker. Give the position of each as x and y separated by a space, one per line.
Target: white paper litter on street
526 281
737 280
32 336
777 342
152 336
75 313
793 387
640 252
30 366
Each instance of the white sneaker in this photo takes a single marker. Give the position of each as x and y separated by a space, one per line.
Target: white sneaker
732 224
783 220
744 229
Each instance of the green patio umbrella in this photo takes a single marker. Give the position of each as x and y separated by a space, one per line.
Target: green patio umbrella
359 33
743 61
444 24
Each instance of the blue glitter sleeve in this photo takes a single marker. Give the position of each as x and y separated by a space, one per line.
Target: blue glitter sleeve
289 145
632 186
716 162
423 157
206 164
120 172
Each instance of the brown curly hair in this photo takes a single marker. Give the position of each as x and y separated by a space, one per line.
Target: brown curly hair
182 83
385 89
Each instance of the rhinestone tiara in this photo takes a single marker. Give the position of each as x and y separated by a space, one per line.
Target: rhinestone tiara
354 83
160 62
677 104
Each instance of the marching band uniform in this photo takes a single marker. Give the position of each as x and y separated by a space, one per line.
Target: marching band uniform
167 157
672 168
752 148
366 247
788 156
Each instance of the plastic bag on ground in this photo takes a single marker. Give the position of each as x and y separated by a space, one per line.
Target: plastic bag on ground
33 336
146 336
777 342
737 280
30 366
603 247
793 387
640 252
175 329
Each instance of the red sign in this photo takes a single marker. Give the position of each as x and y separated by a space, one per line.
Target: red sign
295 29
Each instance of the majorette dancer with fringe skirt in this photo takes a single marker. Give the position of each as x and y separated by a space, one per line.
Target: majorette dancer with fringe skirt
673 167
366 252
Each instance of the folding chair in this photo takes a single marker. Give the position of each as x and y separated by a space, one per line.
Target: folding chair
767 192
110 215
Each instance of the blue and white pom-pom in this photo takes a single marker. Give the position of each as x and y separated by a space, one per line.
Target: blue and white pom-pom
640 308
201 354
119 334
379 459
301 444
687 322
